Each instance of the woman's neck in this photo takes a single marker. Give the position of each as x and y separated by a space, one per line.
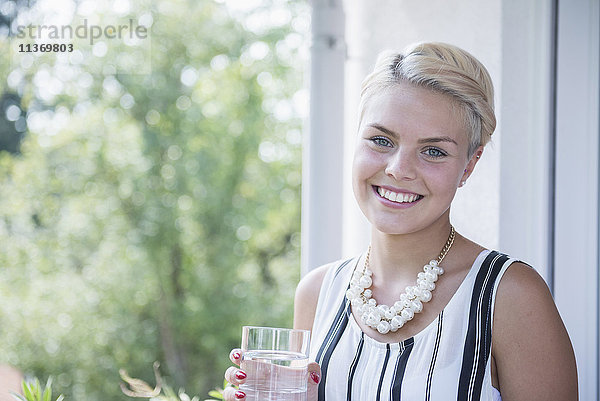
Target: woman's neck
401 256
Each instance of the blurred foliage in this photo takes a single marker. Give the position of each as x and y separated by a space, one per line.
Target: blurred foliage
33 391
149 216
136 388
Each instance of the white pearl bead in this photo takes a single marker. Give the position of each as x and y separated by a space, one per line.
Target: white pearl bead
372 302
397 322
433 262
364 317
373 320
417 306
354 282
427 285
383 327
383 308
408 314
398 305
368 294
390 313
356 302
368 272
365 281
426 296
431 276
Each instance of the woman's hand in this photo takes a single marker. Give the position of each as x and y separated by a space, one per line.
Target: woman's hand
236 377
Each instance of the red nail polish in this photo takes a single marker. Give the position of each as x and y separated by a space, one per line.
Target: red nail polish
315 377
240 375
240 394
237 355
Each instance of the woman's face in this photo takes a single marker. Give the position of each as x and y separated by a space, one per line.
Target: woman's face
410 158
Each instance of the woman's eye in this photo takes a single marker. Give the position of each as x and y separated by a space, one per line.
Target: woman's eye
381 141
434 152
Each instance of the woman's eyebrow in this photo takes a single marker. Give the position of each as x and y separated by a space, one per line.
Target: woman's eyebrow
438 139
434 139
384 130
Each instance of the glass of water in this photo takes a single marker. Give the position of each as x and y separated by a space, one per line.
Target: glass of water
275 361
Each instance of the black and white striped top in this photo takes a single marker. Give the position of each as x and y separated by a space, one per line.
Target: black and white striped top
448 360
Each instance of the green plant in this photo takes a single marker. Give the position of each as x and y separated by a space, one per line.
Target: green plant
138 388
32 391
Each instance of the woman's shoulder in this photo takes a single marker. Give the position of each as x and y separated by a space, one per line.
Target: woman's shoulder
523 294
530 342
308 290
310 285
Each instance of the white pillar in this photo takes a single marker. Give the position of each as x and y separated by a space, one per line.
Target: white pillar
323 146
576 254
526 124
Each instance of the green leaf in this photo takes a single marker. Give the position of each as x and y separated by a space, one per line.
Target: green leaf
18 396
47 396
38 390
27 392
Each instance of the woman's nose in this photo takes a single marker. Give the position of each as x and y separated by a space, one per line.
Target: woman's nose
401 166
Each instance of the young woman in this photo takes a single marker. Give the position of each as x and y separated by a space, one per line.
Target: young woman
425 313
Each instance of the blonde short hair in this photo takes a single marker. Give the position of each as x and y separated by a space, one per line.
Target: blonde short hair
446 69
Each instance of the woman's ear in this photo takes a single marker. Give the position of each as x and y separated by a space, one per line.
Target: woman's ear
471 165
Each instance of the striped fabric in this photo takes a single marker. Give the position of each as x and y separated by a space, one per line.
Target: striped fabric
448 360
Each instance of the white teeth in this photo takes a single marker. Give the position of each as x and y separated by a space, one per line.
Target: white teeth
397 197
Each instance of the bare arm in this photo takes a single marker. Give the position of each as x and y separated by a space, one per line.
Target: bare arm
533 354
307 295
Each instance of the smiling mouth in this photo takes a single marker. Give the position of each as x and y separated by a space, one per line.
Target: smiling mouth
398 197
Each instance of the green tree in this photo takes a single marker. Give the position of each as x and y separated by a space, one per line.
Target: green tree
150 215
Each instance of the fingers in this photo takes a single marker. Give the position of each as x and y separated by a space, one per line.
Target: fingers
236 356
314 378
233 394
235 377
314 373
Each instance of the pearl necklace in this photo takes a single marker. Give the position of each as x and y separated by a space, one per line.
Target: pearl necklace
385 318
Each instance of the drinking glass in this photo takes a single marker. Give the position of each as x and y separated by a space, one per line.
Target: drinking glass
275 361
